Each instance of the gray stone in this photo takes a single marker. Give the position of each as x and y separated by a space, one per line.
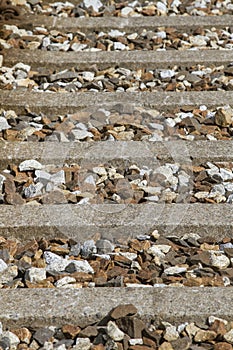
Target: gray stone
175 270
226 174
4 124
80 134
42 176
9 274
55 263
88 248
35 274
13 339
75 249
79 266
104 246
114 332
42 335
82 344
30 164
58 178
33 190
3 265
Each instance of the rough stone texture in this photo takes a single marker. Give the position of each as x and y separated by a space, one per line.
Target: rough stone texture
129 24
16 100
124 59
81 222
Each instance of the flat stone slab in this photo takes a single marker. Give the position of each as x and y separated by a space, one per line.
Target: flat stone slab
150 154
72 102
133 24
114 222
124 59
44 307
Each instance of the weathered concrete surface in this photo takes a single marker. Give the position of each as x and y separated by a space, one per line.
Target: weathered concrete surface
130 24
89 154
40 307
72 102
126 59
81 222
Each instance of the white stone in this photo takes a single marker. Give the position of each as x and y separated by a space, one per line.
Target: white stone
64 281
3 265
4 124
161 7
174 270
96 4
78 47
81 134
125 11
81 266
229 336
219 260
88 76
82 344
35 274
128 255
22 66
136 341
42 176
170 332
163 247
9 274
30 164
201 194
101 171
115 33
14 340
58 178
226 174
155 251
212 318
119 46
55 263
216 191
198 40
167 73
114 332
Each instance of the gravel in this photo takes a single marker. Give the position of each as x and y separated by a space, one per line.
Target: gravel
194 78
126 183
118 124
155 261
161 39
131 8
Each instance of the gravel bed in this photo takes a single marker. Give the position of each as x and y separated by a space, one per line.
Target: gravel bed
116 124
119 79
162 39
145 261
33 183
99 8
123 329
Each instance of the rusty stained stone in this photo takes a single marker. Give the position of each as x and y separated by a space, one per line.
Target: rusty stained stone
71 331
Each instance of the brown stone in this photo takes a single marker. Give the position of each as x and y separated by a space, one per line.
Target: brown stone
14 198
31 246
23 334
224 116
203 335
139 347
89 331
223 346
165 346
219 327
203 257
98 347
54 197
181 343
131 326
70 331
122 311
